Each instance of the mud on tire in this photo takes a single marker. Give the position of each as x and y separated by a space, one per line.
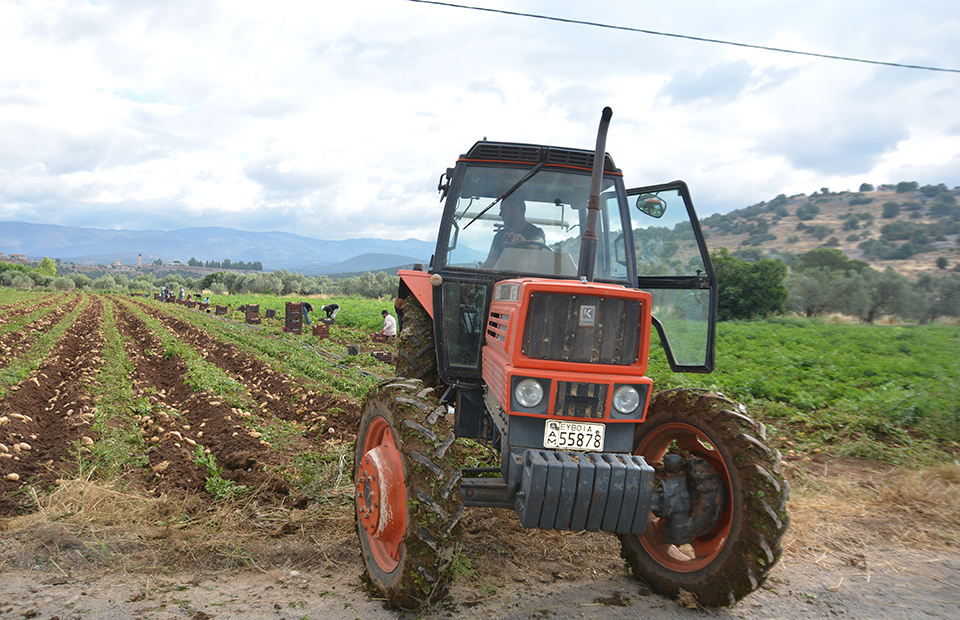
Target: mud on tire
734 558
416 350
408 520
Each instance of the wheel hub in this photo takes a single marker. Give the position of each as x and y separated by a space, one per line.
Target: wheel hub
381 498
707 535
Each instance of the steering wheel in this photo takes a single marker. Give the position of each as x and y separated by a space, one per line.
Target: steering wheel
529 245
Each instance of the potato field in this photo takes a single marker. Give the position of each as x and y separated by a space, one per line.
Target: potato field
131 388
141 437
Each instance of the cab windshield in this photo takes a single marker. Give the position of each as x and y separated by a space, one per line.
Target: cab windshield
537 228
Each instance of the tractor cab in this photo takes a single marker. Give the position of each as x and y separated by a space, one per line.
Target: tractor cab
648 238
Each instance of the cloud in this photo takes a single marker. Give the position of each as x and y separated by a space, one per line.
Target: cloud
488 86
283 180
335 120
848 144
721 82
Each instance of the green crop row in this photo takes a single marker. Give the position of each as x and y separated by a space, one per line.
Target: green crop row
881 391
298 356
42 343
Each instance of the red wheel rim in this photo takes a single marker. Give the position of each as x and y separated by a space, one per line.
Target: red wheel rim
703 550
381 495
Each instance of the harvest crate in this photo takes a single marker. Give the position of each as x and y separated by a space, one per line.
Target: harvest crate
293 319
252 313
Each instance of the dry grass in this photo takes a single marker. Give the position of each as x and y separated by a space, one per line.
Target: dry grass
849 513
853 512
86 525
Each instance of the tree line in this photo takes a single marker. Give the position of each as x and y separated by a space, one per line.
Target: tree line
821 281
824 281
225 264
281 282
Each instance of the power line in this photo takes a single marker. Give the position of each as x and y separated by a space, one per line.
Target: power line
685 36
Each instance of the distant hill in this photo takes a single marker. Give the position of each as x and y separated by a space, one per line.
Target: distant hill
274 250
360 264
908 230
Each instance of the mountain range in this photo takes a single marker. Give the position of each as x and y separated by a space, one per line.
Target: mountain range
915 230
274 250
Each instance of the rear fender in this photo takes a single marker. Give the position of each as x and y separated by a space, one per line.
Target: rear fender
417 283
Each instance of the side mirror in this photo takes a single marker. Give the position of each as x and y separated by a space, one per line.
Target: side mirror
652 205
442 187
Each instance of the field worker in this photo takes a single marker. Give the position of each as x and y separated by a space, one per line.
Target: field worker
331 310
398 306
389 325
307 309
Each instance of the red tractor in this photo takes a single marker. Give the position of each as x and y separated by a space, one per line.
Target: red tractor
530 331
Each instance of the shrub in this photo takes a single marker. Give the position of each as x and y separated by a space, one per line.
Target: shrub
907 186
820 231
807 211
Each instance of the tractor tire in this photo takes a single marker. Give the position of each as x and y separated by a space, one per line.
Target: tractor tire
735 557
408 506
416 350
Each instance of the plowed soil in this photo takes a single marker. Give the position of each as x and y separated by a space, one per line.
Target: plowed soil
304 562
52 410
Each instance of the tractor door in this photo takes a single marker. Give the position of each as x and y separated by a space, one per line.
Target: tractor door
673 264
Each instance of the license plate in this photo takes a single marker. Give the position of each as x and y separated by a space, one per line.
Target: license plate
579 436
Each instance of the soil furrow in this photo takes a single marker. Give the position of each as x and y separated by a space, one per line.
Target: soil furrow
336 416
181 421
16 342
13 311
45 415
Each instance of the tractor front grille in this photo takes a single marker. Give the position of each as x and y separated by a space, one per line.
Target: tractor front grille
580 400
580 328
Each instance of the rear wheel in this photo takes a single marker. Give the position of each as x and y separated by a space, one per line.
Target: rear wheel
734 557
408 506
416 350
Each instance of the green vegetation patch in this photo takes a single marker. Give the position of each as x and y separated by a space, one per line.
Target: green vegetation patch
888 392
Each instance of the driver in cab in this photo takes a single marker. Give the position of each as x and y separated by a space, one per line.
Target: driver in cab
517 232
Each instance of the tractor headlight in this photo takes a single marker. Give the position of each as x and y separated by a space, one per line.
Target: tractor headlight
626 399
529 393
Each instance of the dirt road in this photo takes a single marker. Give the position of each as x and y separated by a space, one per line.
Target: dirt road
891 583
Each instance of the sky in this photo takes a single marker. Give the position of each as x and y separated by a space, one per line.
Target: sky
334 120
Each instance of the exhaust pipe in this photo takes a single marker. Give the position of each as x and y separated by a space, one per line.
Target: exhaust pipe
590 240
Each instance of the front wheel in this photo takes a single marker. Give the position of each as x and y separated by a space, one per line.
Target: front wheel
733 558
408 506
